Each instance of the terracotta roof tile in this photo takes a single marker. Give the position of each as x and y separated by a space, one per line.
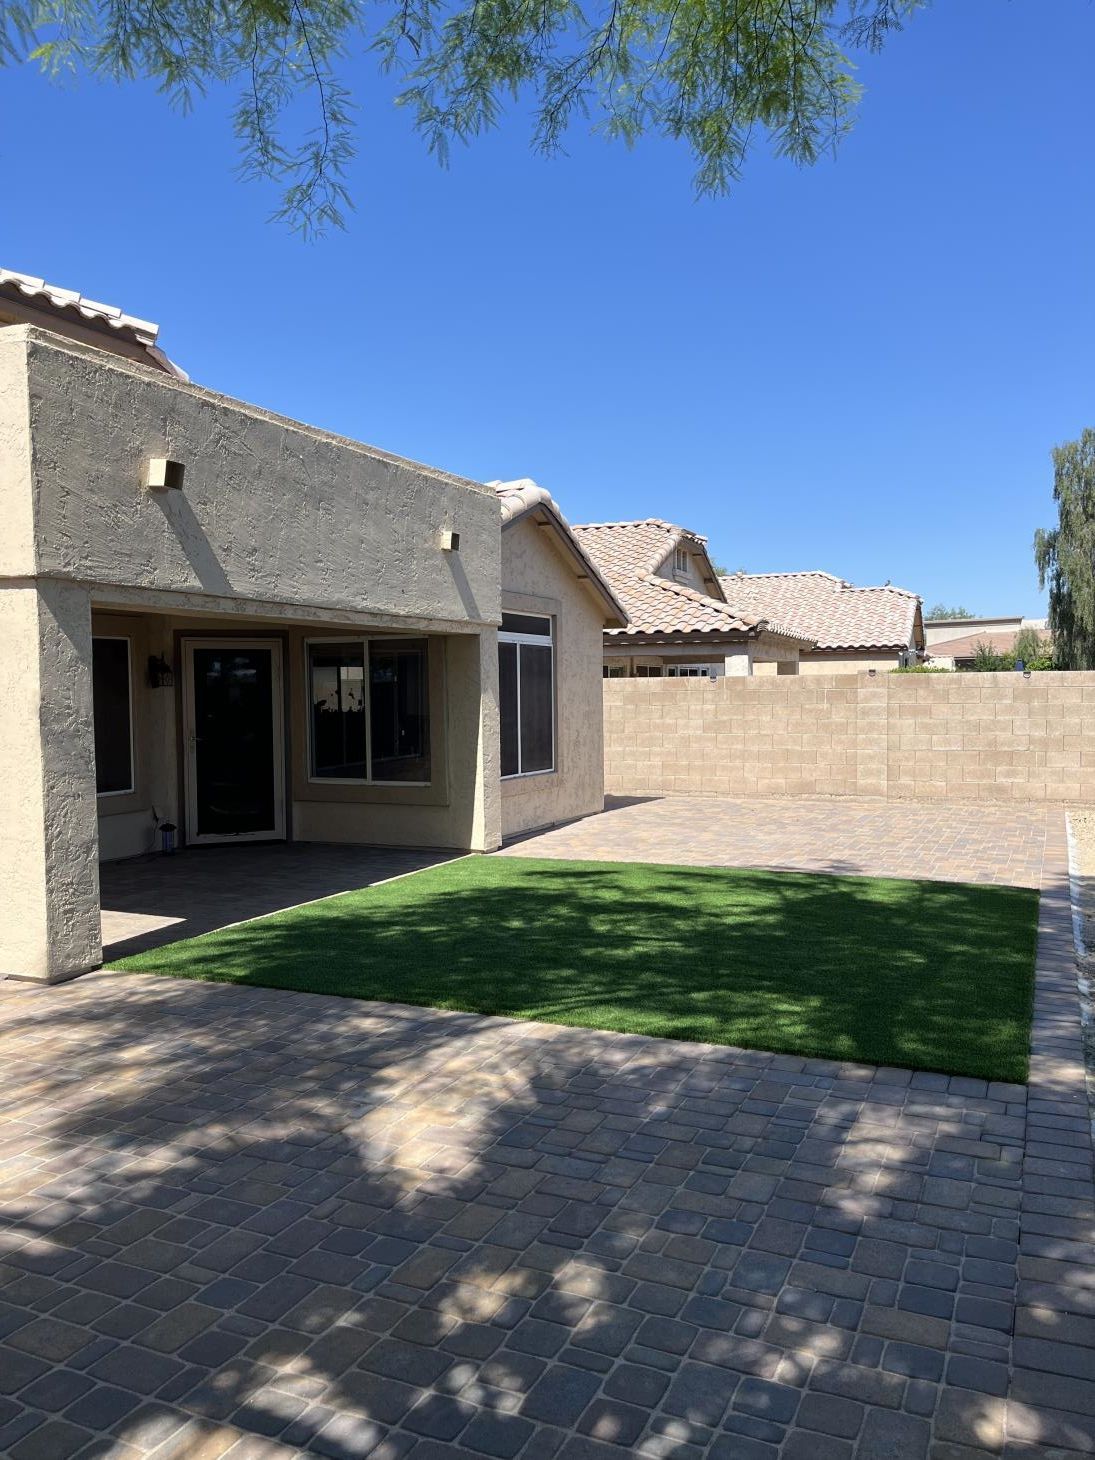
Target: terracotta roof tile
628 553
965 647
524 495
68 302
834 612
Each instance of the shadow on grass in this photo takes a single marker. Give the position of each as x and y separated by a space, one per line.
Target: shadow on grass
935 976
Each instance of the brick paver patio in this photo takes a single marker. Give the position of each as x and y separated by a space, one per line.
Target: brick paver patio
257 1223
944 842
148 901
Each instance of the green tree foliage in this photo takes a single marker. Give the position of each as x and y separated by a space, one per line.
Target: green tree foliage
712 73
1033 649
985 658
1030 648
1065 555
940 610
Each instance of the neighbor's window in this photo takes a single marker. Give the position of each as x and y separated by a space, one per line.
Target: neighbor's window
680 560
526 694
375 727
113 710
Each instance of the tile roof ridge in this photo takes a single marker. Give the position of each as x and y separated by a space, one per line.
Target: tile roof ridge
633 522
883 588
792 573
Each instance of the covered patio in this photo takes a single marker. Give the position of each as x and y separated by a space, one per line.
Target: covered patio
150 901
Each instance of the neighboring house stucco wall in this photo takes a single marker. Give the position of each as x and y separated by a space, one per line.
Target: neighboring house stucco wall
537 579
691 577
833 662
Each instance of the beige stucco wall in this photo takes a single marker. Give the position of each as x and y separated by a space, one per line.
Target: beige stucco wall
833 663
49 885
271 512
276 523
984 737
536 578
765 654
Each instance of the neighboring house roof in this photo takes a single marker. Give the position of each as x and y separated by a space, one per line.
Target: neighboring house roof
837 614
965 647
67 304
518 498
629 553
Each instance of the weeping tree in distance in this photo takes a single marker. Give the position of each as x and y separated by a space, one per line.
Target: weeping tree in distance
1065 555
712 73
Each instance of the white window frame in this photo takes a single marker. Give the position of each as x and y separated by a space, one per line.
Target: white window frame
681 557
330 642
128 642
693 671
535 641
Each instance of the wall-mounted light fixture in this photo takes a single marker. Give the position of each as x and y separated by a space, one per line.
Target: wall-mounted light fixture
160 673
163 475
450 541
871 673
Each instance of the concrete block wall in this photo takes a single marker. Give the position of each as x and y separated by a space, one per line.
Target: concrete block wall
966 737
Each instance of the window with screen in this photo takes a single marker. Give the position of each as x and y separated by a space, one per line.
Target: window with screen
112 703
526 694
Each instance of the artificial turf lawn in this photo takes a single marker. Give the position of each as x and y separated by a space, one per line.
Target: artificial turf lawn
929 975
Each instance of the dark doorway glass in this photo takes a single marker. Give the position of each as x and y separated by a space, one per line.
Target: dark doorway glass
236 782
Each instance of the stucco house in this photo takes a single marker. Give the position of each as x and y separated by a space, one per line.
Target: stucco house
220 619
952 643
680 622
544 618
853 629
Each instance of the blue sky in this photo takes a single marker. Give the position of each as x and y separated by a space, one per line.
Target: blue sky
860 367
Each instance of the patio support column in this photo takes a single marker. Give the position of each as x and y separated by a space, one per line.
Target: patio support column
49 836
473 736
739 661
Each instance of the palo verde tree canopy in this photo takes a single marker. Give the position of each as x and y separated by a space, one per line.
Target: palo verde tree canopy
713 73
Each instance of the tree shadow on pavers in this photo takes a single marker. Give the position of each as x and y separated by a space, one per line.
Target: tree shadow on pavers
265 1210
934 976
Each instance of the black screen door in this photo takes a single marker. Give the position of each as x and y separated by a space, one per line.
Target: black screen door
236 773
